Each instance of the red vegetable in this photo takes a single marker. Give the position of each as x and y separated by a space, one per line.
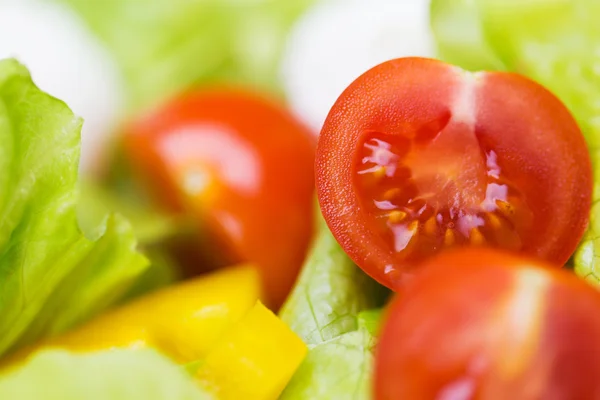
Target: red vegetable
481 324
243 167
417 156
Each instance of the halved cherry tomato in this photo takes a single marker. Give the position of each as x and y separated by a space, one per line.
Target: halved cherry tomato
417 156
483 324
243 166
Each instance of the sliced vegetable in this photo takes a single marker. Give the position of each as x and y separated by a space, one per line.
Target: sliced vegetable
243 168
427 156
485 324
553 42
52 275
115 375
556 44
254 360
183 321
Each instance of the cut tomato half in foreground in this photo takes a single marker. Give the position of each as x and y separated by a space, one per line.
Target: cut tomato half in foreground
417 156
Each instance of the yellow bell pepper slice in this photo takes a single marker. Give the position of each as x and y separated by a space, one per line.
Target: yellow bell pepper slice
254 360
183 321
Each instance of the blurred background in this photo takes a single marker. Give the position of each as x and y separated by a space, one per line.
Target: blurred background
119 63
111 59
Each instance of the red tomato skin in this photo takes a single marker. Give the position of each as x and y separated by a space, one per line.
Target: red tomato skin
534 134
483 324
259 161
525 145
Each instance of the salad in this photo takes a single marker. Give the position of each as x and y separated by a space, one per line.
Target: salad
244 200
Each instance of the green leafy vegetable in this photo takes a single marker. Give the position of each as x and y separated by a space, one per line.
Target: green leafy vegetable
329 294
115 375
340 368
556 43
165 46
587 257
328 310
370 320
459 35
53 275
149 225
151 228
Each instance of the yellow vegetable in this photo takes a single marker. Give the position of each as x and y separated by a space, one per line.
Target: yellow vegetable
183 321
254 360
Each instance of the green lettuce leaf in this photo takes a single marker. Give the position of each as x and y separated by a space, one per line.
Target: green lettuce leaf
149 225
329 294
115 375
328 310
53 274
556 43
370 320
151 228
460 37
339 368
165 46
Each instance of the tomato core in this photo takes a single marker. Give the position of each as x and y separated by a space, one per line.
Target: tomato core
437 187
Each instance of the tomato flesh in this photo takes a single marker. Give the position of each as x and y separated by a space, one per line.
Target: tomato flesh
441 158
483 324
242 167
428 198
